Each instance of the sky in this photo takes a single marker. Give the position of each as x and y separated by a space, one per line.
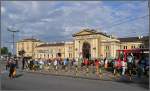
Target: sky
57 20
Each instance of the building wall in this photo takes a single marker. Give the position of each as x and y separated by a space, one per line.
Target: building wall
27 46
131 45
69 50
93 40
49 52
108 46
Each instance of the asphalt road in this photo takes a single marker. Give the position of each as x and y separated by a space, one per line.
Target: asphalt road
31 81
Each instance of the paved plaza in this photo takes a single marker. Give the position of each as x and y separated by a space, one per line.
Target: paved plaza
32 81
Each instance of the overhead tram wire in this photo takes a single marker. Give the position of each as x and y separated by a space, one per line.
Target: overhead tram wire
133 19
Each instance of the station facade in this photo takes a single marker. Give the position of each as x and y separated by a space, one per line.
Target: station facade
87 43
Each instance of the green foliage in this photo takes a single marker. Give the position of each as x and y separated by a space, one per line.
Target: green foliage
9 54
4 51
21 53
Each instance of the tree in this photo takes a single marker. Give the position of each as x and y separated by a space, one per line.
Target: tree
4 50
21 53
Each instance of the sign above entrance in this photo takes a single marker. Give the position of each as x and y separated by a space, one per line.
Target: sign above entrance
86 37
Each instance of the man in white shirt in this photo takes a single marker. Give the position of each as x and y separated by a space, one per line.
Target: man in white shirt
124 66
55 64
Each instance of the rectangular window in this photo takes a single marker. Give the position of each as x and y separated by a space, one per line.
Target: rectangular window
124 47
141 46
48 55
69 55
59 50
107 48
22 45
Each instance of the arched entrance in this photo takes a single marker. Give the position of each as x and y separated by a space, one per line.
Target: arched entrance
86 50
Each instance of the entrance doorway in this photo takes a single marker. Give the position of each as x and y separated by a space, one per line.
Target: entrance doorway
86 50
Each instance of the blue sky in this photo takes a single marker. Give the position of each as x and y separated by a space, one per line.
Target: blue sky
58 20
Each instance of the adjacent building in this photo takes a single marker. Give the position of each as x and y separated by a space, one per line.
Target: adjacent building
51 50
134 42
28 45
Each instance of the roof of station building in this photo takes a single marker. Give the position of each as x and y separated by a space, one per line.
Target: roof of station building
51 44
30 39
91 31
133 39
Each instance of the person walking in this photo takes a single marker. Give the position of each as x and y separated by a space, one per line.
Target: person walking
86 63
41 63
141 66
117 70
16 61
124 66
23 63
97 66
12 71
8 64
130 65
105 63
55 64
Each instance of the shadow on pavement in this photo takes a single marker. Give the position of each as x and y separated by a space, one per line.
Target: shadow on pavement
18 75
144 85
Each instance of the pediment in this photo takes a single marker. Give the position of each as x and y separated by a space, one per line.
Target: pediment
85 32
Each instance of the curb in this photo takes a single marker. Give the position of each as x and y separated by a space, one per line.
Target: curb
89 78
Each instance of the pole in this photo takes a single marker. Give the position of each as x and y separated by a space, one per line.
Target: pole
0 42
13 43
32 47
13 35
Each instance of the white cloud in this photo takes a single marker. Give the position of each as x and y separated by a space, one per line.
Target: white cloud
47 20
67 17
2 9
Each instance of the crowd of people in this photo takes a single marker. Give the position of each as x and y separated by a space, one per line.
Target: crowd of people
132 66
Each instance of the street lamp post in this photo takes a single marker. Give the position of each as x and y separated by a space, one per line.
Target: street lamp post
13 35
79 49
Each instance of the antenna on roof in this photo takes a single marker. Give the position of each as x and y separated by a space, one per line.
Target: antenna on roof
32 36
